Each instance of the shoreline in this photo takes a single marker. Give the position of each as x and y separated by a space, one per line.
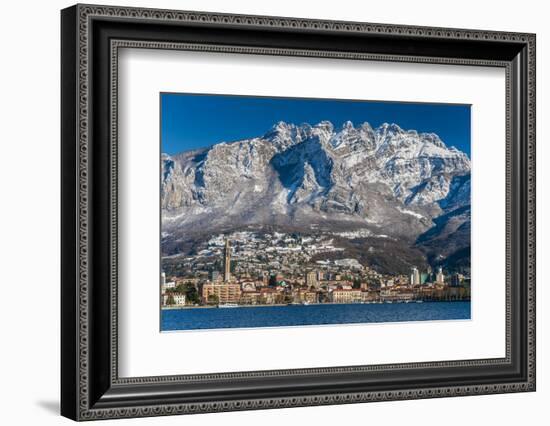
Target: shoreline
169 308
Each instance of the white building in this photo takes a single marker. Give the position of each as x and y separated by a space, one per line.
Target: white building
415 276
165 285
178 299
439 277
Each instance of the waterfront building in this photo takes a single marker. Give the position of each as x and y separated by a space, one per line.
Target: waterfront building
173 299
453 293
388 293
305 296
269 296
224 292
415 276
227 262
439 277
250 298
346 296
179 299
456 280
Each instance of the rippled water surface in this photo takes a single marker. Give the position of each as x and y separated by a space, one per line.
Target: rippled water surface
283 316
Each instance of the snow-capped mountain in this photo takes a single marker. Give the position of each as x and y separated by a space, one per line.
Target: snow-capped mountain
385 180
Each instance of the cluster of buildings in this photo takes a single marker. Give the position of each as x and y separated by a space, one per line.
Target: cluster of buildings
231 283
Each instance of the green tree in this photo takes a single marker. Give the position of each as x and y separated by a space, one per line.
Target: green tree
213 299
191 293
170 300
180 288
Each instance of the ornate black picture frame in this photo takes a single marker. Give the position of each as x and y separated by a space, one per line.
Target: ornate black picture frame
90 38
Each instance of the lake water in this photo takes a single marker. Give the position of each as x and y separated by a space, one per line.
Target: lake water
292 315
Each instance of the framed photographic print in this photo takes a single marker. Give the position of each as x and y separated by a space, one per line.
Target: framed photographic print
327 215
263 212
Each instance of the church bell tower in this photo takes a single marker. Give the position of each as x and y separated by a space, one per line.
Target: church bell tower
227 262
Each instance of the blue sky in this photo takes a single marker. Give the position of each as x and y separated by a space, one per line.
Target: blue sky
190 121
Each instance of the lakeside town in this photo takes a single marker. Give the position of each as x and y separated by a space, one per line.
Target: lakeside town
245 269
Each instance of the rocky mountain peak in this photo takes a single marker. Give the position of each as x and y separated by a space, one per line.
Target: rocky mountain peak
348 125
400 184
390 180
388 129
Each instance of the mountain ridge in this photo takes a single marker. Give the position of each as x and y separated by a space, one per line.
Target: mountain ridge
385 180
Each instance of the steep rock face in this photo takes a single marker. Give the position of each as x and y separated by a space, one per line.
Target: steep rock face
389 180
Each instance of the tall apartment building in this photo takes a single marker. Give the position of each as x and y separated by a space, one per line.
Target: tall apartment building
439 277
415 276
224 292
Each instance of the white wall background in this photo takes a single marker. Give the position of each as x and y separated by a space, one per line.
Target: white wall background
29 214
